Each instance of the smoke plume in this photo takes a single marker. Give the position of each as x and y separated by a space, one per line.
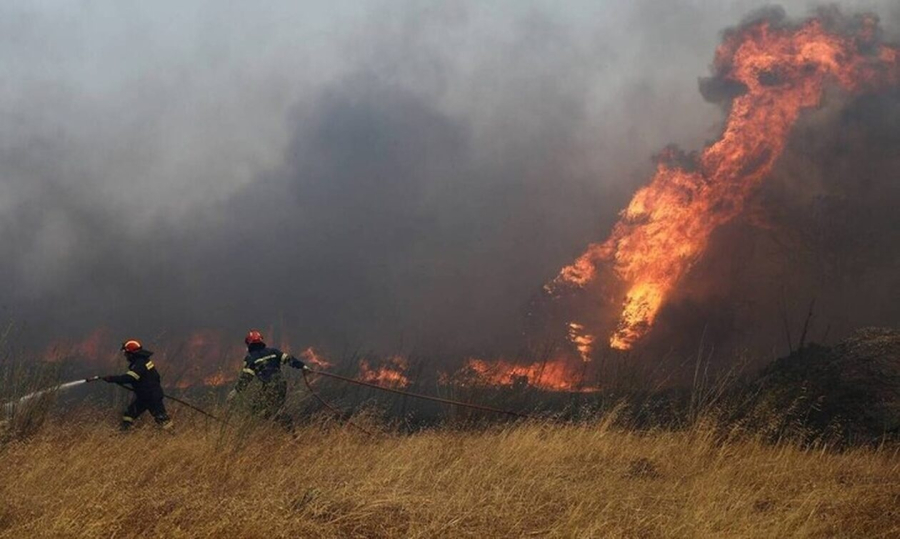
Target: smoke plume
391 175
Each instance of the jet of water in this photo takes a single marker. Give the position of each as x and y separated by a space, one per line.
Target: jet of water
9 407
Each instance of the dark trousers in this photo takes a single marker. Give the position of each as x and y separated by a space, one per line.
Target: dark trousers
268 400
138 406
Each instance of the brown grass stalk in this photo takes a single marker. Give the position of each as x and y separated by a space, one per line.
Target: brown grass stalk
594 479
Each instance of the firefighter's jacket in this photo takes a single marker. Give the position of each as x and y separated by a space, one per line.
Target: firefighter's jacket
142 376
264 364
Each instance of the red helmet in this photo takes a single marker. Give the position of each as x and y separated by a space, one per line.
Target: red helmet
253 337
131 346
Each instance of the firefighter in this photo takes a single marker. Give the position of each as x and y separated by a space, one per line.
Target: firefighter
144 379
264 365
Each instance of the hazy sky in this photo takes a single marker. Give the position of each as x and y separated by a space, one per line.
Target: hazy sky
362 171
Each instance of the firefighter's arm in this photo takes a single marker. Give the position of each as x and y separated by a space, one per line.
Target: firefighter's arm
287 359
120 379
133 375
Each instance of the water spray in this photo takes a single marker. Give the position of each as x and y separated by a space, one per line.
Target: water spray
9 407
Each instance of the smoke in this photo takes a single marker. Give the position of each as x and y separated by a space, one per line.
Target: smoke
820 240
814 258
822 236
372 174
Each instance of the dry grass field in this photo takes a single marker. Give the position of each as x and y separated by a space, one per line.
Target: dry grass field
81 478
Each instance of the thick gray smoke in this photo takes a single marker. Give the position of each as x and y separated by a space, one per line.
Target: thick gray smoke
375 174
821 238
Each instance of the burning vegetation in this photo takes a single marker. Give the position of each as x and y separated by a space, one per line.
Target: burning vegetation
730 456
392 373
771 72
767 72
559 374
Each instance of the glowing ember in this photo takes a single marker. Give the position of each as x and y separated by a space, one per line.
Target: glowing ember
667 225
390 374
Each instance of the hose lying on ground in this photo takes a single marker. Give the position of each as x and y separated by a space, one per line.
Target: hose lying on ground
181 402
9 407
414 395
330 407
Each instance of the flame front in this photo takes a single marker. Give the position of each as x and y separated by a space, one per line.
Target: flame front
667 226
95 348
557 374
391 374
311 357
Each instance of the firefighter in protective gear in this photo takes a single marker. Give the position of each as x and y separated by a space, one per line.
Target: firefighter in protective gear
143 377
264 365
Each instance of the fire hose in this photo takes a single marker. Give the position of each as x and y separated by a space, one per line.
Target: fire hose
407 394
169 397
8 407
312 391
330 407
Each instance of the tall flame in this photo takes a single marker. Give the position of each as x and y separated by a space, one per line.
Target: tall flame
667 226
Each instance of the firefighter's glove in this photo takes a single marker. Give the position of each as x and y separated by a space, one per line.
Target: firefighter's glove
107 379
305 368
231 395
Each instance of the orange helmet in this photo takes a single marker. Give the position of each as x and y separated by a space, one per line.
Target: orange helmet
253 337
131 346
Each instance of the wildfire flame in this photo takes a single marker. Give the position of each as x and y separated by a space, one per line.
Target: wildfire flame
552 375
204 357
312 357
95 348
667 225
208 358
391 374
584 342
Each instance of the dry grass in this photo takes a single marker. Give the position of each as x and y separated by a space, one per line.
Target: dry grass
544 480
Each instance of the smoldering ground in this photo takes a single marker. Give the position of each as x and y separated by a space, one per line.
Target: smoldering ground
387 175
